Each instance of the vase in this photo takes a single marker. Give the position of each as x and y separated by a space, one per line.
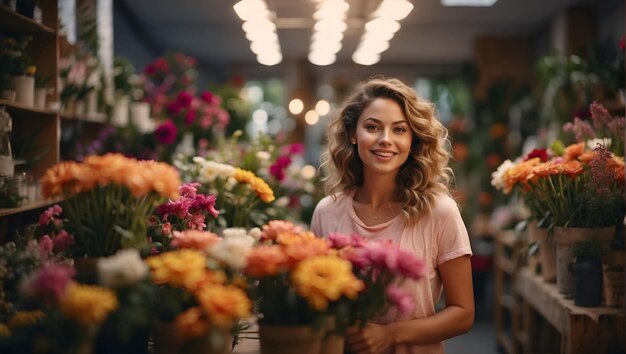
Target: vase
186 146
140 117
613 282
565 238
120 112
587 274
303 339
24 87
40 97
216 341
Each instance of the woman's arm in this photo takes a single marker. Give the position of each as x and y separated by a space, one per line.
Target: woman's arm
457 317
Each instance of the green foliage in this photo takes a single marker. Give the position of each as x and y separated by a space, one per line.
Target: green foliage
591 248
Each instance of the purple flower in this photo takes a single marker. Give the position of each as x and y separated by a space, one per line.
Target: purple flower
166 132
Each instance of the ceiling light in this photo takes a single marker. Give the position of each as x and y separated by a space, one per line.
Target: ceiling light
394 9
311 117
269 59
382 24
322 107
474 3
296 106
322 58
248 9
364 58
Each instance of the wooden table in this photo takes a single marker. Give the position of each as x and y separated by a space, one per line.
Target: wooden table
582 329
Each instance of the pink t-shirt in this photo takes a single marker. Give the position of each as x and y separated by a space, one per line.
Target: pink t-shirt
436 238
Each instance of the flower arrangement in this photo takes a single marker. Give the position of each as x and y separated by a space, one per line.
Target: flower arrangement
237 190
304 279
190 212
193 298
280 164
577 186
109 199
59 314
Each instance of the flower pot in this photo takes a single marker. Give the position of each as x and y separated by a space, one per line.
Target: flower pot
24 87
303 339
119 117
613 282
565 238
587 273
8 95
40 97
140 117
216 341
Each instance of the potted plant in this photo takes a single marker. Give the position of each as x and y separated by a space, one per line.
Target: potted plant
587 271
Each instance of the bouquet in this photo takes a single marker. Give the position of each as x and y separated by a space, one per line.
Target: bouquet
238 191
578 186
109 199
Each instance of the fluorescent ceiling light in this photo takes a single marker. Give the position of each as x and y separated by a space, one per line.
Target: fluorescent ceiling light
475 3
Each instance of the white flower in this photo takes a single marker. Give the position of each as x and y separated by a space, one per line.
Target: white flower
233 250
263 155
234 232
255 232
497 177
123 268
593 143
282 202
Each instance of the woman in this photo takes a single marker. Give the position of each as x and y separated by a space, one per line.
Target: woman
387 177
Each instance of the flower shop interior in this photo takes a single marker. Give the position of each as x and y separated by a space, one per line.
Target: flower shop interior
160 164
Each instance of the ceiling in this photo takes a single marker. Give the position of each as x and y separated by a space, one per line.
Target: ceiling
432 34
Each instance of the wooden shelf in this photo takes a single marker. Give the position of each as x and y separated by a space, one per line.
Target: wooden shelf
583 329
29 206
98 118
21 109
14 22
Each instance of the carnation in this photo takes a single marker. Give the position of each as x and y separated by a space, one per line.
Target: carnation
122 269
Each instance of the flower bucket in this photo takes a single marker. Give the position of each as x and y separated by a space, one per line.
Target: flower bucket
303 339
565 238
613 288
547 252
216 341
24 87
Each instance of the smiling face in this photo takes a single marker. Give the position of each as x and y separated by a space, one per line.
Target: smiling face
383 137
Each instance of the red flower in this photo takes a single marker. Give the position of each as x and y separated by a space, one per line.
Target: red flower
542 154
166 132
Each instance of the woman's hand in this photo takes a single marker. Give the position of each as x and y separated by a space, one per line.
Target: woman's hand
371 339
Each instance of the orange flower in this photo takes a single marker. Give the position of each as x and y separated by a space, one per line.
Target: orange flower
276 227
258 185
586 157
519 173
460 151
546 169
223 303
266 260
573 151
287 238
573 168
306 248
190 324
195 239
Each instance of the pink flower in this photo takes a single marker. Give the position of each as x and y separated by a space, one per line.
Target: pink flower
190 117
338 240
205 203
62 241
401 299
409 265
188 189
196 222
49 214
174 107
50 281
207 97
184 99
45 245
166 132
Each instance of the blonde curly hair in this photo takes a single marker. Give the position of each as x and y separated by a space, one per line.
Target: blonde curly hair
425 173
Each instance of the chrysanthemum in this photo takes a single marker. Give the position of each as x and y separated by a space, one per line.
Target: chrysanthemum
182 268
190 324
222 304
323 279
88 304
266 261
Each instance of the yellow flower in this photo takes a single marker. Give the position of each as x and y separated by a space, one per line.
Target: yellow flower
182 268
325 278
88 304
258 185
31 70
223 303
25 318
